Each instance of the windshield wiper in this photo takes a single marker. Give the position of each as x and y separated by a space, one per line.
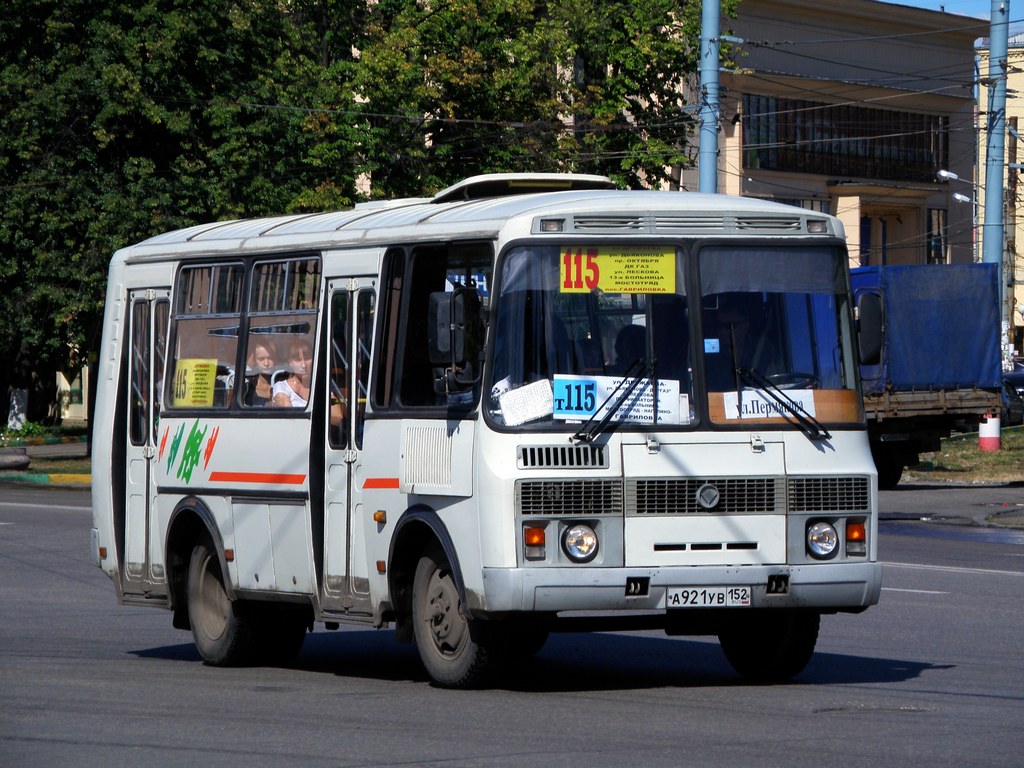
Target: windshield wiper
640 370
809 425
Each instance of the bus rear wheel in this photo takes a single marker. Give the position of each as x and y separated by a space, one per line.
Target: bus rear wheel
771 647
456 652
221 627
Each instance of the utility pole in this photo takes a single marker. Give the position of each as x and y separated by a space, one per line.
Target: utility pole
1006 278
707 158
993 239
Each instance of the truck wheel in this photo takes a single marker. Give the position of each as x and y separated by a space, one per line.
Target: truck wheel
456 652
772 647
222 628
890 469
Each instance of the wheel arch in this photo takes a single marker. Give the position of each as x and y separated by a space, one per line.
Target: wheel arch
417 529
189 522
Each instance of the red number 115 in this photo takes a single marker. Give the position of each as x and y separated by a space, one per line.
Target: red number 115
578 273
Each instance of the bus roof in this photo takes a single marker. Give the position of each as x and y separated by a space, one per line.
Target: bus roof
483 206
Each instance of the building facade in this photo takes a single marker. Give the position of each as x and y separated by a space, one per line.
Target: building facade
1010 185
853 107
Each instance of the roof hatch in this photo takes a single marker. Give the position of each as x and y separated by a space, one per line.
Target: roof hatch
502 184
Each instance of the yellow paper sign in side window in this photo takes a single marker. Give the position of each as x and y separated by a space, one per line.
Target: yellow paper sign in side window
194 380
618 269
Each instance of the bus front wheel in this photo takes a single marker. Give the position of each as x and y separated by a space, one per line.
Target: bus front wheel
455 651
221 627
771 647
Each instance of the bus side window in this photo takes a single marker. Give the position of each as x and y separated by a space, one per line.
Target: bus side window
411 278
207 314
338 372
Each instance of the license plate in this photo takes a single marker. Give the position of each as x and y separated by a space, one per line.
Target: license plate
707 597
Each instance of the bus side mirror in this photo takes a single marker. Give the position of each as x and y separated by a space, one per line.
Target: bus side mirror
455 336
869 328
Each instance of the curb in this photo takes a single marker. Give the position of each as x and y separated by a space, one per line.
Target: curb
38 478
23 442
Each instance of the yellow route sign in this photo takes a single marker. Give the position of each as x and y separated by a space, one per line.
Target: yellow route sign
194 380
618 269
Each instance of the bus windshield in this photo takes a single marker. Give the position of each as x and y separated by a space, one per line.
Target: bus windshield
620 335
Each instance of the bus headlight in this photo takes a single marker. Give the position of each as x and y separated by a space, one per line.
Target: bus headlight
579 542
822 540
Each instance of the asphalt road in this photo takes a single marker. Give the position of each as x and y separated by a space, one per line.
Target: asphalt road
932 676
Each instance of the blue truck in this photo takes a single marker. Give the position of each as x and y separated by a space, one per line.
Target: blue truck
929 356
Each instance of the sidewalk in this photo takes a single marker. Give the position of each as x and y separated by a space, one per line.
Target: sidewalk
44 448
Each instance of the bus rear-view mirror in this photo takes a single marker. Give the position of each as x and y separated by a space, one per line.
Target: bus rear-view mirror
869 328
455 336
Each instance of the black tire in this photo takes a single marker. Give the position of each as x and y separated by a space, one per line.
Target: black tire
771 647
223 629
456 652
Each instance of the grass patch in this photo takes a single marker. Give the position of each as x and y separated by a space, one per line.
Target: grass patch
960 460
64 465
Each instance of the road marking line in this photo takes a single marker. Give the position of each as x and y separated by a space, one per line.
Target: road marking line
916 591
18 505
953 569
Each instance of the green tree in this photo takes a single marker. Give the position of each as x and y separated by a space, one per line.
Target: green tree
123 119
120 119
456 87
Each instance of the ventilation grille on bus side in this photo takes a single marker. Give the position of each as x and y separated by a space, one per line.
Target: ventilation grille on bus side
828 494
679 496
604 223
561 457
747 223
698 224
688 223
569 497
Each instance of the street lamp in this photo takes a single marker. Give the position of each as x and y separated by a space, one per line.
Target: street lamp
945 175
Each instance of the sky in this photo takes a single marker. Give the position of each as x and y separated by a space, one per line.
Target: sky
981 9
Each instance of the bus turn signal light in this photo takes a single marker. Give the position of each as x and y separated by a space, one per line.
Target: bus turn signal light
856 538
533 541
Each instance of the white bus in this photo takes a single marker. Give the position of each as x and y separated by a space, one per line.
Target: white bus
531 403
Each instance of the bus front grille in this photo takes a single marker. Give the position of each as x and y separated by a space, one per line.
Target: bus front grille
569 497
679 496
561 457
829 494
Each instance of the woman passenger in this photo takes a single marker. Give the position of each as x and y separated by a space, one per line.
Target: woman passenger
293 392
259 366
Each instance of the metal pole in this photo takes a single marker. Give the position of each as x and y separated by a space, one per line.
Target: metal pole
707 159
992 242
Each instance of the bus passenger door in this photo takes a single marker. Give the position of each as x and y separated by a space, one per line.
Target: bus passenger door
147 339
346 578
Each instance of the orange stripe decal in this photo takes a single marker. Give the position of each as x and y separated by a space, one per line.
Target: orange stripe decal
257 477
380 482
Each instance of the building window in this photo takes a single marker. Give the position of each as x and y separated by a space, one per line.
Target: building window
936 236
800 136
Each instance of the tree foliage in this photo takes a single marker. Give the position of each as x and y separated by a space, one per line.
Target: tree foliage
124 118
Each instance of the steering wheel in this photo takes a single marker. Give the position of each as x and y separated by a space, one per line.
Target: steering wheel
794 380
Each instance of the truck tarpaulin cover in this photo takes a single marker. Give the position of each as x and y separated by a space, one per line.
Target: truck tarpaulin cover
941 326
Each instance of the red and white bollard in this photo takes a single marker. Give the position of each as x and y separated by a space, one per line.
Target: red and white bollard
988 432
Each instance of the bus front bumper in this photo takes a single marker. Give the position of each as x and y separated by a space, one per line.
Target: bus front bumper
825 587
